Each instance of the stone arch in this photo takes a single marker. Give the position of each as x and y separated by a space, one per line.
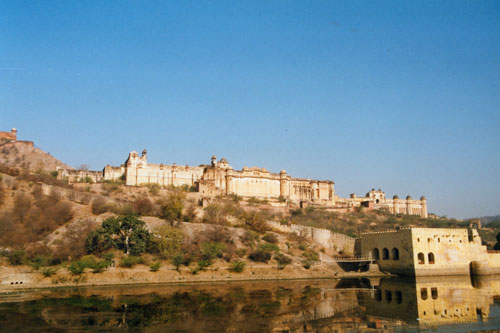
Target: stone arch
421 258
395 254
385 254
431 258
376 254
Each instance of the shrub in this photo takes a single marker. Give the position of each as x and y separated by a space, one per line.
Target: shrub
249 238
167 241
155 266
256 220
49 271
271 238
38 262
100 205
310 255
177 261
260 256
214 214
282 260
237 266
154 189
172 206
76 268
269 247
130 261
144 206
15 257
99 266
211 250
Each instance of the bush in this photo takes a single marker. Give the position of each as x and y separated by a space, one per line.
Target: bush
260 256
282 260
211 250
100 205
237 266
167 241
130 261
202 264
144 206
15 257
177 261
76 268
172 206
49 271
38 262
99 266
256 220
310 255
154 189
269 247
155 267
249 238
271 238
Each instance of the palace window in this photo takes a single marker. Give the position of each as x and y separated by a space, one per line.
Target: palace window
423 293
376 254
434 293
421 258
385 254
395 254
431 258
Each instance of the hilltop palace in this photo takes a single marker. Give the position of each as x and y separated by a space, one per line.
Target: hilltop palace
219 178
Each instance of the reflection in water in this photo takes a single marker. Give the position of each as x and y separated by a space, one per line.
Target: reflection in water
433 301
258 306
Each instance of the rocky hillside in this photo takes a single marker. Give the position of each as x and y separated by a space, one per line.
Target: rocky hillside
24 154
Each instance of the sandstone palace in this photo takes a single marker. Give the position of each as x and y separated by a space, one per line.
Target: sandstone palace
219 178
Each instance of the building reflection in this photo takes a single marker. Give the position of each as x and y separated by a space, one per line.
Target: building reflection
293 306
432 301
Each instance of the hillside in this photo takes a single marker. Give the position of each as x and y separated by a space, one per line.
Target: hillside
25 155
54 226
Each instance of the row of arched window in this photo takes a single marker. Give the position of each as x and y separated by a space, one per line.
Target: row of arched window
398 295
430 258
395 256
385 254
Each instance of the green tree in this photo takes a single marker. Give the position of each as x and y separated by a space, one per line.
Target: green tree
126 232
172 206
167 241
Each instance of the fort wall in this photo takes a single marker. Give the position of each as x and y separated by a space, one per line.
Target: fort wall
325 237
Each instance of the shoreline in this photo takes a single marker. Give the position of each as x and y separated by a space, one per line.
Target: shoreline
166 276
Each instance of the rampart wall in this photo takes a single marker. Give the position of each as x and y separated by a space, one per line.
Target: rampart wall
325 237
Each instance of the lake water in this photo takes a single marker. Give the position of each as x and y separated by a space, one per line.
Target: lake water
452 304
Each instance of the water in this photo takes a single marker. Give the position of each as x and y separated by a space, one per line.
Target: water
452 304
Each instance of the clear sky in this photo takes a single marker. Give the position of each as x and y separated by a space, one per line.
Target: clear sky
398 95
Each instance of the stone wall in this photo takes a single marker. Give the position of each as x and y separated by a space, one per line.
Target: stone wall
430 251
325 237
74 176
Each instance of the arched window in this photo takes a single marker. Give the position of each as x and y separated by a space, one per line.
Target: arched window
421 258
395 254
376 254
434 293
423 293
385 254
378 295
431 258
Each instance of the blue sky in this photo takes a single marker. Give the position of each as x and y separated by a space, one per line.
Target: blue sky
398 95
